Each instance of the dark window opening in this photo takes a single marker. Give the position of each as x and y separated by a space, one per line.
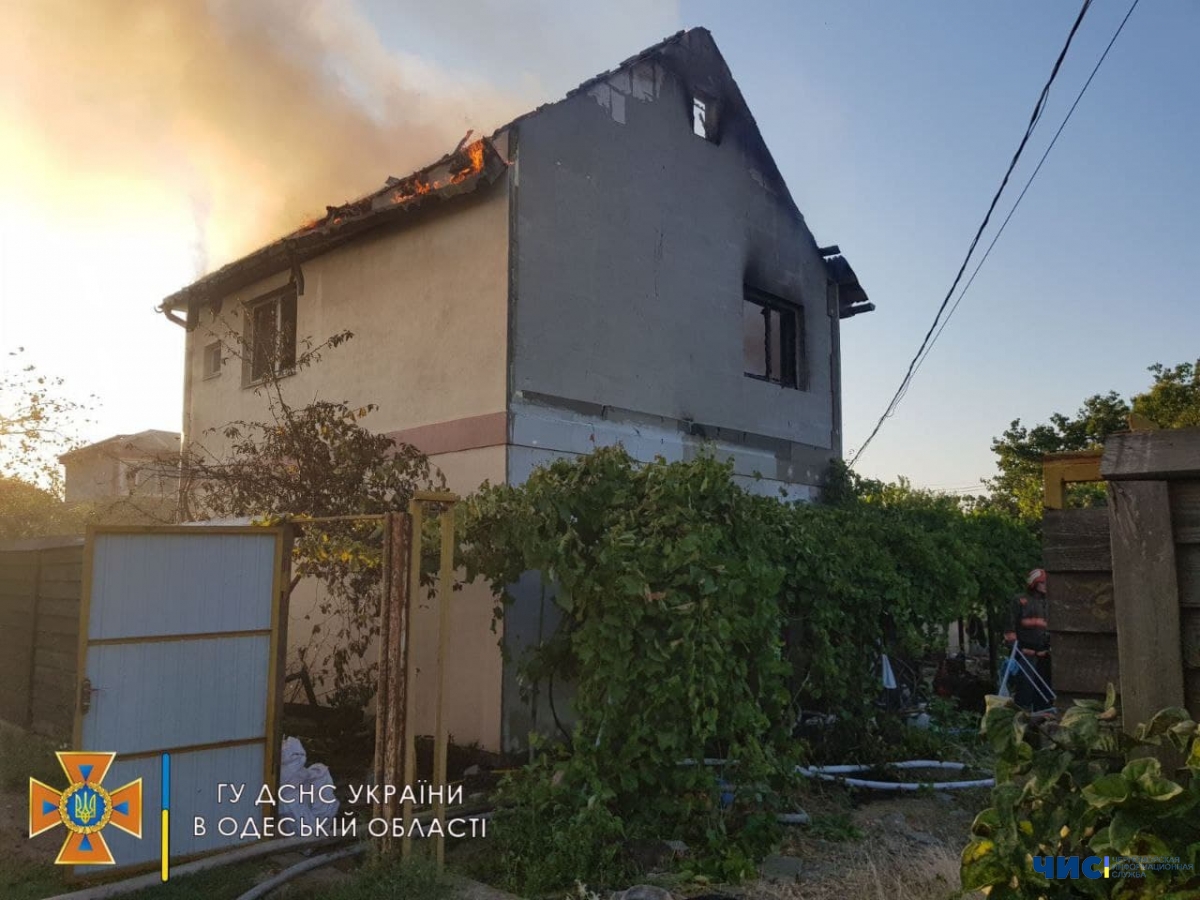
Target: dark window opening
271 335
772 339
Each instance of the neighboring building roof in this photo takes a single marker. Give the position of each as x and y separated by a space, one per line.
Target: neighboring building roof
468 168
151 442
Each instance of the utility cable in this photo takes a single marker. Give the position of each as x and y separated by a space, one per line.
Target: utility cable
1033 120
1003 224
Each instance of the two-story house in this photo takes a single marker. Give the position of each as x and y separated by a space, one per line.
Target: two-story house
626 265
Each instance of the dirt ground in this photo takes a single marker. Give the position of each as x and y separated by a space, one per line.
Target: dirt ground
15 844
859 847
875 846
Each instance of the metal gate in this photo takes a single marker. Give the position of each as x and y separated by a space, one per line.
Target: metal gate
181 637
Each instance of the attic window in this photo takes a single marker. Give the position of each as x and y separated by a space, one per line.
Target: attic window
704 118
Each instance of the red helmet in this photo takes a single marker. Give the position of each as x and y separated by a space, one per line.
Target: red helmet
1036 577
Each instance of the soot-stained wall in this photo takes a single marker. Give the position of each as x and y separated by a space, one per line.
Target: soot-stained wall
633 239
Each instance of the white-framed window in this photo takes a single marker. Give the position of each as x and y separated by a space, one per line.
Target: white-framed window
270 339
212 359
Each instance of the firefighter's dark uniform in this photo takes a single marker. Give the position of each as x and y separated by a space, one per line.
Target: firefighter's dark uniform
1029 629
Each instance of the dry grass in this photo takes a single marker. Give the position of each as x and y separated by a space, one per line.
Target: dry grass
879 874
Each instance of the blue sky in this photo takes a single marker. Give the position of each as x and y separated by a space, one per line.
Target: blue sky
891 122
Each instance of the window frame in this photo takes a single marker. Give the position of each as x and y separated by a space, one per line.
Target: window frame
792 343
209 350
283 302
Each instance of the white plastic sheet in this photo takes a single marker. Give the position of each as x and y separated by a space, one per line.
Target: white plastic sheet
307 782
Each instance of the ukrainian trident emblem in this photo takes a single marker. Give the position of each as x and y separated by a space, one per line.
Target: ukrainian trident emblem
85 808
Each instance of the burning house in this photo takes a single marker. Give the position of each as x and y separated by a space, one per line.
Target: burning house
624 265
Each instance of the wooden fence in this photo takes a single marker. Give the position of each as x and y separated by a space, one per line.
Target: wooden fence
1154 515
1124 581
1079 588
40 587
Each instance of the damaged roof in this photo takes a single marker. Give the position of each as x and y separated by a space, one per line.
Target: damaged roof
852 299
463 171
475 165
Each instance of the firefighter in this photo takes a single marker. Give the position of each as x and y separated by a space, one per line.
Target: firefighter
1028 628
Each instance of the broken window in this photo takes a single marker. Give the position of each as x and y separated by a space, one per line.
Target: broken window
704 118
772 339
212 359
271 335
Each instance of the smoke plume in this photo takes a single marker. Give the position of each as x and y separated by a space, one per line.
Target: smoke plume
238 119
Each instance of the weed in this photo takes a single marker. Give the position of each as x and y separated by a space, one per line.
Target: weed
24 756
413 879
29 881
835 827
224 883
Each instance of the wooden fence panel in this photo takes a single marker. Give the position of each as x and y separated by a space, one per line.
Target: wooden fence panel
1147 599
1079 592
1084 664
40 592
1076 540
1081 601
1167 455
18 588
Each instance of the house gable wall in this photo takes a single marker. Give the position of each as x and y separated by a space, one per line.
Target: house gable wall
634 237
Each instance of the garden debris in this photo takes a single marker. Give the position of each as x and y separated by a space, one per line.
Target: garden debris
897 824
781 868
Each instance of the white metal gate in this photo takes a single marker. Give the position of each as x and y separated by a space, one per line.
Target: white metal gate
181 638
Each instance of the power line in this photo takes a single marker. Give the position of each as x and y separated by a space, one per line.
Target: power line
1033 120
1021 197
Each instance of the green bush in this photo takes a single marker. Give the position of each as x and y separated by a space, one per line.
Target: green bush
546 833
696 618
1086 788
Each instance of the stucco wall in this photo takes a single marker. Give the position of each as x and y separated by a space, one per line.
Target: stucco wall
428 305
91 476
428 308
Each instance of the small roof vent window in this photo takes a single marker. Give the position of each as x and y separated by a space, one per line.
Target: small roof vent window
704 118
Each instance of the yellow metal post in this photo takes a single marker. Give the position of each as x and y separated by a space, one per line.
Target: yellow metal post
416 514
1061 469
445 592
382 694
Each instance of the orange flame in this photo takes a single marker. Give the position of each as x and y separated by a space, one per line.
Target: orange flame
416 186
420 186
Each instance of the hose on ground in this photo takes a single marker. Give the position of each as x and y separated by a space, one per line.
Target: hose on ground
840 773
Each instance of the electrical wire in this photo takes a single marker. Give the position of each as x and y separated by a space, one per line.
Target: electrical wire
1004 224
1033 120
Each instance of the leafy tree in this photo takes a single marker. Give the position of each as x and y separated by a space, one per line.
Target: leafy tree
1172 401
37 423
316 460
27 511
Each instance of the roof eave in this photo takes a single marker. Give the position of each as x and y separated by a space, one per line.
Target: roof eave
852 298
